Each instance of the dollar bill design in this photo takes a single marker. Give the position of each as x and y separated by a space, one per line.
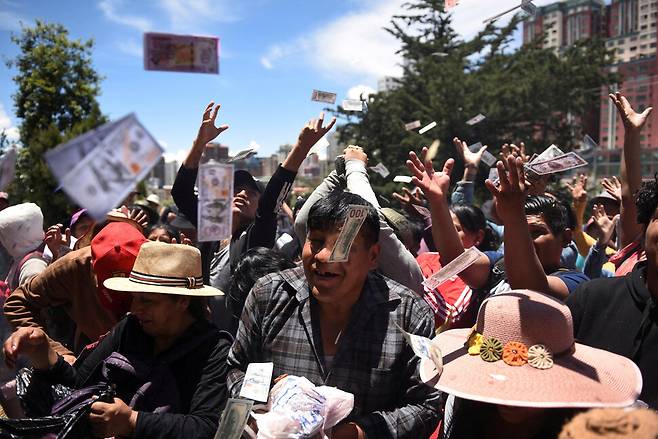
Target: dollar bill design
562 163
477 119
352 105
493 176
215 200
452 269
402 179
323 96
549 153
588 143
234 418
181 53
356 215
107 174
412 125
423 347
380 169
256 382
244 154
427 127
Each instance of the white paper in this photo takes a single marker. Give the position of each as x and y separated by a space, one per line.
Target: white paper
402 179
477 119
244 154
181 53
7 168
323 96
256 382
215 201
427 128
355 218
352 105
452 269
380 169
412 125
423 347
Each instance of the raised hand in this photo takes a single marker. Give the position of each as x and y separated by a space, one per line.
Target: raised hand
312 132
511 193
183 240
54 239
139 217
355 152
604 226
578 189
435 185
630 118
613 187
471 159
208 131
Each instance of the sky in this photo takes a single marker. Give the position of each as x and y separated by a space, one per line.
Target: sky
273 54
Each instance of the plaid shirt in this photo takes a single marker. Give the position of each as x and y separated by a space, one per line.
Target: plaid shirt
372 361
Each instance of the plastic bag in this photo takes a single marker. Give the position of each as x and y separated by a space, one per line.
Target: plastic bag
37 395
297 409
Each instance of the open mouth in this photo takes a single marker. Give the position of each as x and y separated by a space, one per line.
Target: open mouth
324 274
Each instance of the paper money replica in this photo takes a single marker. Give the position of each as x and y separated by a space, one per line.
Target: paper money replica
549 153
244 154
452 269
380 169
181 53
565 162
323 96
256 382
487 158
588 143
215 201
427 128
476 120
412 125
449 4
526 5
423 347
402 179
433 149
234 418
110 171
352 105
493 175
7 168
356 215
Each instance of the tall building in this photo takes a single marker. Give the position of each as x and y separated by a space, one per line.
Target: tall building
629 27
564 23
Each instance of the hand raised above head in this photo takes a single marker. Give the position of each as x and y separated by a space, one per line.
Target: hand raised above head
471 159
313 131
630 118
511 193
435 185
208 131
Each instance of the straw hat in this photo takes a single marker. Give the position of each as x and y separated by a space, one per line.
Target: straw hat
167 269
521 353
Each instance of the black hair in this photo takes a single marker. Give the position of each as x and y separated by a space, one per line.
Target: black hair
254 264
197 307
646 200
469 420
554 213
330 212
473 220
165 213
172 232
299 203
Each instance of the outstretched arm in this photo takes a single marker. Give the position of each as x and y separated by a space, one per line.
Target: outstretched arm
631 168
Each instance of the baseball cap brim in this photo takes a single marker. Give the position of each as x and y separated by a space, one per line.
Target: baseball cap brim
587 378
244 178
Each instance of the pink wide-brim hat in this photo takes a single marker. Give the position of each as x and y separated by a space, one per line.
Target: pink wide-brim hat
581 377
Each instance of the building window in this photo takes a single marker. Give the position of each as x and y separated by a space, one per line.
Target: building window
644 46
620 51
633 49
653 45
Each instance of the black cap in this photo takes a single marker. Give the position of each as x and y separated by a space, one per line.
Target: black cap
244 178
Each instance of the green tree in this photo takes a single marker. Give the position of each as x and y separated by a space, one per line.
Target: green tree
55 100
531 94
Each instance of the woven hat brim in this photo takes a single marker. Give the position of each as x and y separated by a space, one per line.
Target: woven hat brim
588 378
128 286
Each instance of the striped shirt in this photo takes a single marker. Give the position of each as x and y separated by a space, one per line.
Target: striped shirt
372 361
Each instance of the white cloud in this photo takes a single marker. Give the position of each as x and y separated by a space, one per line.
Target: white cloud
174 156
109 9
131 47
356 91
10 21
253 145
192 15
5 124
356 47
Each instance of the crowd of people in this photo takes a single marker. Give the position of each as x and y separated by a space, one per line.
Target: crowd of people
549 332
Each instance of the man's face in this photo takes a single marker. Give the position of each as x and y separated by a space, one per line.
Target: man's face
81 227
336 281
651 241
245 203
547 245
158 313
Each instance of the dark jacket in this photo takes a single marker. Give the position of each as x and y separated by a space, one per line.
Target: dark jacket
619 315
200 376
260 233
